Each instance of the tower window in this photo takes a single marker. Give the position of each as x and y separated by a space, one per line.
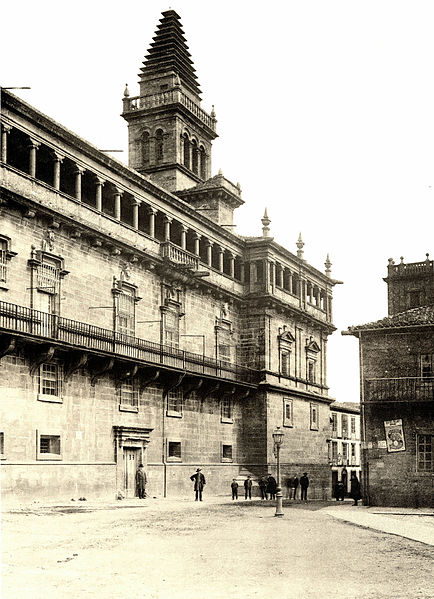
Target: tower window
194 158
426 365
186 151
145 148
202 155
159 145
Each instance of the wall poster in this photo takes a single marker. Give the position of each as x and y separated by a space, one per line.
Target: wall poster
394 435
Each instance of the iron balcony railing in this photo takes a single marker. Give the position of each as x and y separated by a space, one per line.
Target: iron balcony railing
400 389
22 320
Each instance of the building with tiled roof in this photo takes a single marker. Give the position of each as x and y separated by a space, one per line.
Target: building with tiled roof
397 390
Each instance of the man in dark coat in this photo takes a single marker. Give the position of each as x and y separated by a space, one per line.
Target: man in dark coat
339 491
199 483
271 486
263 487
295 482
248 487
234 487
141 482
355 488
304 484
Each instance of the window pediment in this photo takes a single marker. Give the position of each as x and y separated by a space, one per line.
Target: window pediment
287 338
312 346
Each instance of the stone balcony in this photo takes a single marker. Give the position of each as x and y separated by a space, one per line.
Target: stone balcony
178 255
403 389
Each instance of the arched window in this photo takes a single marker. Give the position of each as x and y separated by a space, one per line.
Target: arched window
159 145
195 158
145 148
186 151
202 162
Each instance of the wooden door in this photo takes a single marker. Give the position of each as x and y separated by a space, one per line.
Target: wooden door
131 463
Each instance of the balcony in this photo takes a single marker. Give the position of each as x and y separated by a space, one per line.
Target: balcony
78 335
179 256
412 389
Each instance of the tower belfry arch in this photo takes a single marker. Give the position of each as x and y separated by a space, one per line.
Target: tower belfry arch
169 134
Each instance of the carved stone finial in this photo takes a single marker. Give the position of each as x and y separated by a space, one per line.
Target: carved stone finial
427 257
213 115
126 91
300 245
402 259
265 222
220 173
391 261
328 266
177 81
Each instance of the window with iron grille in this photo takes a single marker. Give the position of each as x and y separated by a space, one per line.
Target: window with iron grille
226 409
287 411
344 453
353 425
48 276
314 416
3 261
335 451
174 402
353 453
2 444
129 393
125 311
227 452
425 453
49 380
174 450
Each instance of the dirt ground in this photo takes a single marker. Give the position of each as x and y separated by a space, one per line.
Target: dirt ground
161 549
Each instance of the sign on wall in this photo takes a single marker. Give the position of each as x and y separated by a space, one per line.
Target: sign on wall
394 435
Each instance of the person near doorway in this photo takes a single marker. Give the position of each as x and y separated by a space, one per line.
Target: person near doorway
199 483
339 491
263 487
288 485
234 487
141 481
248 487
355 488
304 484
271 487
295 483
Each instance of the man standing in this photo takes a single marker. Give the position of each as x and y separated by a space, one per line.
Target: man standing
141 482
248 487
304 484
271 486
263 487
234 487
295 482
199 483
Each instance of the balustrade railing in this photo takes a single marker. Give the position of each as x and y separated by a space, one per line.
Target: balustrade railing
178 255
20 319
400 389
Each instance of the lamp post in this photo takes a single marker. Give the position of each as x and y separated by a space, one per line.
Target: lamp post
278 440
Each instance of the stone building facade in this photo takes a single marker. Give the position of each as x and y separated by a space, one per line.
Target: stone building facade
344 443
397 391
134 327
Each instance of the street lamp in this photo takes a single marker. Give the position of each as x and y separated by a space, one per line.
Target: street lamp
278 440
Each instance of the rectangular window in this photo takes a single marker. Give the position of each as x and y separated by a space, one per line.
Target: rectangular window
335 452
174 402
171 329
227 409
311 375
224 352
129 394
2 445
287 412
334 424
353 425
313 417
48 276
48 447
426 365
174 451
226 453
3 261
49 388
353 454
284 362
344 426
424 453
344 453
125 312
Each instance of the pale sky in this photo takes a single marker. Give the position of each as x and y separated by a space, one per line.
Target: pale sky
325 116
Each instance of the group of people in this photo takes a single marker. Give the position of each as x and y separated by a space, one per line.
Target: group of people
355 489
247 488
292 484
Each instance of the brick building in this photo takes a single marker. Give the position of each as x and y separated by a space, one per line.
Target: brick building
344 443
397 390
134 324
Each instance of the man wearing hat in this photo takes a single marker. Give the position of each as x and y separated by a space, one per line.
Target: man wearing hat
304 483
199 483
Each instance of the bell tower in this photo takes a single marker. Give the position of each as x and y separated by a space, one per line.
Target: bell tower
169 135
